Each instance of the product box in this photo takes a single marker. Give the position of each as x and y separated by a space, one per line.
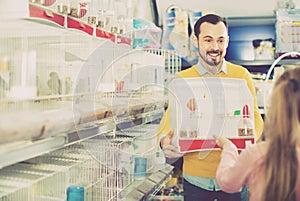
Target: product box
287 32
206 106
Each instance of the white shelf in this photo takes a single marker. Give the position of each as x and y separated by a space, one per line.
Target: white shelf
23 150
251 20
257 63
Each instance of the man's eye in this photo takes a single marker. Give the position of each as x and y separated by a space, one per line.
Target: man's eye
208 40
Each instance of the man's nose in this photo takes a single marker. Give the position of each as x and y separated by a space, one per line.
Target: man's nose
215 45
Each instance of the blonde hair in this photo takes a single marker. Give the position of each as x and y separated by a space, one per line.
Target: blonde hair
282 131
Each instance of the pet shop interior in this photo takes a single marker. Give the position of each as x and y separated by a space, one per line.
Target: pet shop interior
84 85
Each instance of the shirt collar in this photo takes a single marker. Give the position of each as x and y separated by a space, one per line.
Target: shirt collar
203 71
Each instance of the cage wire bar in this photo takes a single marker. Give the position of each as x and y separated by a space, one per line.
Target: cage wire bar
45 101
93 164
173 63
103 165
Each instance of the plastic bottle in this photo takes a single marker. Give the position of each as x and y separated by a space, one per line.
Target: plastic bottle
140 168
75 193
245 125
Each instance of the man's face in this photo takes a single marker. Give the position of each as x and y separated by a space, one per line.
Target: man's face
212 43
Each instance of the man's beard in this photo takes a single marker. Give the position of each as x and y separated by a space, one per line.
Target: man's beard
208 61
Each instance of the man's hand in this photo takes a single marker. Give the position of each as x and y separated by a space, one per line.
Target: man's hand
169 150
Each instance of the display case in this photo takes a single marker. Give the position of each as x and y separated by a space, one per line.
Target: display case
76 110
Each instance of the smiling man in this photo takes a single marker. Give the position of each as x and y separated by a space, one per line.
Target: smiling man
199 168
211 38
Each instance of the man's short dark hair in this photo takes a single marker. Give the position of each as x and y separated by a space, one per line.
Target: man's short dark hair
210 18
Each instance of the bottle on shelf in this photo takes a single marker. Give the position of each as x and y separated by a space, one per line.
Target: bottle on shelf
75 193
140 167
245 125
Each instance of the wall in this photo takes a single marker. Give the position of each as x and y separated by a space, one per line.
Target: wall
248 20
226 8
13 9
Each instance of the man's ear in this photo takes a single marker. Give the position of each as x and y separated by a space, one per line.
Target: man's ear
227 41
195 40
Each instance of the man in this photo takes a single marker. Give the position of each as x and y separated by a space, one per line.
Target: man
199 168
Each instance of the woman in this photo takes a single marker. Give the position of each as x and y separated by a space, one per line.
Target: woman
269 168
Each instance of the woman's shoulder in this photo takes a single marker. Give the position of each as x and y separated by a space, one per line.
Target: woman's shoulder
256 151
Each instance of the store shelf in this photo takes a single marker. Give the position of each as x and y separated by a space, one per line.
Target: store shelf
15 152
257 63
73 131
21 150
44 13
142 189
262 66
47 14
251 20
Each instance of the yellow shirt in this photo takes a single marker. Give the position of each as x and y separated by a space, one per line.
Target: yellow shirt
205 163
